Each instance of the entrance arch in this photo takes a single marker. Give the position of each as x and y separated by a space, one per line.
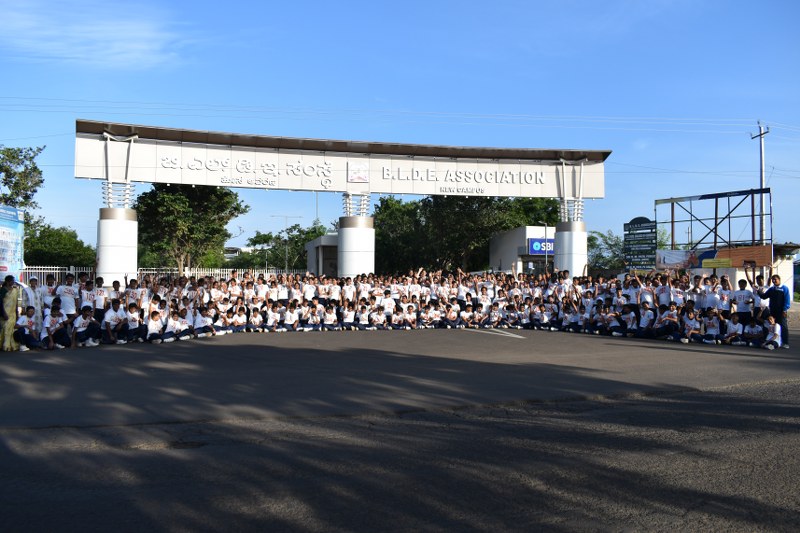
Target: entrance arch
123 154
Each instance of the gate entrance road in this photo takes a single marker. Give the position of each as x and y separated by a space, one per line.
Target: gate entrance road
401 431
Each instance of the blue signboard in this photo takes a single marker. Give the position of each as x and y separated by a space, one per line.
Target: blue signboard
12 230
540 246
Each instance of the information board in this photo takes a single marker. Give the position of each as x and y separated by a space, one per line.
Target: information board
640 244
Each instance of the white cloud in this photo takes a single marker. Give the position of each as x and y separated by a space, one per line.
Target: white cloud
120 35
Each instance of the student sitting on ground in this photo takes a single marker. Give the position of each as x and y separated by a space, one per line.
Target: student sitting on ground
773 339
154 329
25 330
85 329
753 333
691 328
54 329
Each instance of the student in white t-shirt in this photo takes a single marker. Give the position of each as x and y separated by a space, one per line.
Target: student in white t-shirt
25 330
273 322
378 318
256 322
137 331
239 321
753 333
101 299
773 339
115 324
154 331
734 331
743 299
85 329
54 329
711 325
349 317
690 331
70 297
291 318
330 322
646 320
362 318
204 324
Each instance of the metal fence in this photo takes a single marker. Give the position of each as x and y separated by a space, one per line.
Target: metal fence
60 272
216 273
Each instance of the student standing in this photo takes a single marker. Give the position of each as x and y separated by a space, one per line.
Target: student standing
780 299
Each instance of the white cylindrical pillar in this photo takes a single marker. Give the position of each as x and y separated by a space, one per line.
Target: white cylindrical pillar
570 247
356 249
117 240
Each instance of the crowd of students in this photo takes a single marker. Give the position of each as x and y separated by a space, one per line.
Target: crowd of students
661 305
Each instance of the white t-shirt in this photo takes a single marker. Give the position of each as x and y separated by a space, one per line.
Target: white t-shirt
743 299
774 333
27 323
100 297
734 329
134 320
80 324
646 318
113 318
68 294
51 323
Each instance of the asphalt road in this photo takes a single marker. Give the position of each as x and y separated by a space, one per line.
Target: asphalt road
399 431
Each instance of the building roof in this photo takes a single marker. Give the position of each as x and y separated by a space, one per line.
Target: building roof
328 145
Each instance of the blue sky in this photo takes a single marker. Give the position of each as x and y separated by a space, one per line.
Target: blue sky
674 88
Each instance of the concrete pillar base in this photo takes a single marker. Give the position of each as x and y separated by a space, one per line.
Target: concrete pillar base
571 251
117 244
356 250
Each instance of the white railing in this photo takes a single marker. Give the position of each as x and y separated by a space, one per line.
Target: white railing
60 273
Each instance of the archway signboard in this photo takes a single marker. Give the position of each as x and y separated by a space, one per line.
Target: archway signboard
122 154
160 155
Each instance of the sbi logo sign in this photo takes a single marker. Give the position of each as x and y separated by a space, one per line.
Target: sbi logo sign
540 246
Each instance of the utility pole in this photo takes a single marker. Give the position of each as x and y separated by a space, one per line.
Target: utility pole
545 246
760 135
286 236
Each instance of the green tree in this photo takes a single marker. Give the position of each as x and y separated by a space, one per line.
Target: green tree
49 245
278 249
184 224
606 250
400 240
20 177
446 232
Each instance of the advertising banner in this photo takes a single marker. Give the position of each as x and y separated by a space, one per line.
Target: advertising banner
12 231
540 246
710 258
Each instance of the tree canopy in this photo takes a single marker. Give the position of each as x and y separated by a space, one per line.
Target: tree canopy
20 177
606 254
59 246
278 249
448 232
183 223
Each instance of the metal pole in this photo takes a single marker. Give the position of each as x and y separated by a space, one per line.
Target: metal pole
286 235
761 133
545 245
545 248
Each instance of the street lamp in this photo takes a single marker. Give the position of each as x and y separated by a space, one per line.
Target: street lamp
266 250
545 246
286 235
